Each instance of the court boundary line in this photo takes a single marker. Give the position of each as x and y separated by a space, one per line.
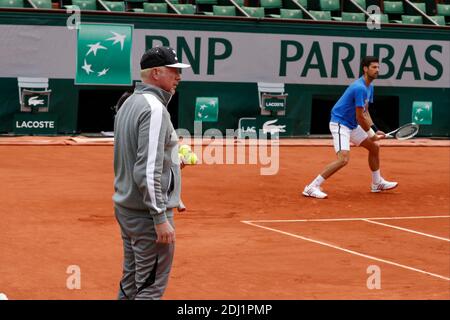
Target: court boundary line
407 230
348 219
368 220
251 223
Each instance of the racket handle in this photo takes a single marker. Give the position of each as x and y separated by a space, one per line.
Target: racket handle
391 134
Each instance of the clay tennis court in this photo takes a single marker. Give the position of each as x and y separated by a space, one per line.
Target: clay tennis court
244 236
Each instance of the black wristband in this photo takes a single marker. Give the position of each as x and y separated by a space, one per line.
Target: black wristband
374 127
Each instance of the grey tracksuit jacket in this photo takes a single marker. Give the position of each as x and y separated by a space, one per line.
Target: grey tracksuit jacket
146 164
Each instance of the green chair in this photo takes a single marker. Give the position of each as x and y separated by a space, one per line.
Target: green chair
42 4
270 4
224 11
330 5
412 19
393 7
155 7
206 1
11 3
362 3
240 3
443 9
321 15
291 14
420 5
85 4
255 12
383 18
353 16
304 3
118 6
185 8
440 20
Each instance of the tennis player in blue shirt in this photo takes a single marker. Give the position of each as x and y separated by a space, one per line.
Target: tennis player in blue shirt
351 122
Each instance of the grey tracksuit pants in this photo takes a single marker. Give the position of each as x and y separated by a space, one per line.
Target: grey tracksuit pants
147 264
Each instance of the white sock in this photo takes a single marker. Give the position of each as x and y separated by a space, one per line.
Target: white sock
317 182
376 176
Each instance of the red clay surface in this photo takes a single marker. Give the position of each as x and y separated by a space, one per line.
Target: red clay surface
56 211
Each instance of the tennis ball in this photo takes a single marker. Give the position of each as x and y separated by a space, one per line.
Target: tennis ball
191 158
3 296
184 149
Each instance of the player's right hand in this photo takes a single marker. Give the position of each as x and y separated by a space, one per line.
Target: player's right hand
379 135
165 233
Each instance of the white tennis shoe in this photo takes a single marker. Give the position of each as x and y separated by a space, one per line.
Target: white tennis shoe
314 192
383 185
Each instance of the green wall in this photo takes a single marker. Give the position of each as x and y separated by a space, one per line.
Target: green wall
236 99
241 100
63 103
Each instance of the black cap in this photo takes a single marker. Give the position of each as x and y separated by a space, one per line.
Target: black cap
161 56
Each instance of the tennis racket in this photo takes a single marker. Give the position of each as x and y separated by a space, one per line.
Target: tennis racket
405 132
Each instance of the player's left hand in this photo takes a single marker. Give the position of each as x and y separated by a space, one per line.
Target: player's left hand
181 206
182 163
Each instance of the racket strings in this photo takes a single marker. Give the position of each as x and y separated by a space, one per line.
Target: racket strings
407 132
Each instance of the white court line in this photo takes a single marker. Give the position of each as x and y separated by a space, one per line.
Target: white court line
350 219
407 230
350 251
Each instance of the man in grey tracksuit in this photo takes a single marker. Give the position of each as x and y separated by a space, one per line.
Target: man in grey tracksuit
147 180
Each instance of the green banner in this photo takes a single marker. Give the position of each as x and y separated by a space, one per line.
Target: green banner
270 126
207 109
422 112
275 103
104 54
36 100
29 123
248 128
264 127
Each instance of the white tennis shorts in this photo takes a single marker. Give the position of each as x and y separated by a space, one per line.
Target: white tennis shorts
342 136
